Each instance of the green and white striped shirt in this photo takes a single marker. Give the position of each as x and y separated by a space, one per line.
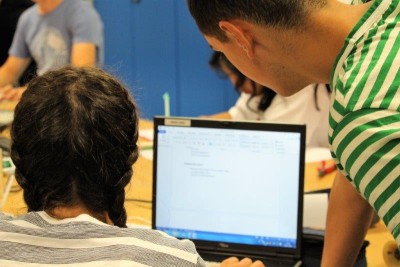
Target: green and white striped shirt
365 110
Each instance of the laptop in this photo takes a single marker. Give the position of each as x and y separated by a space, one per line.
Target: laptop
233 188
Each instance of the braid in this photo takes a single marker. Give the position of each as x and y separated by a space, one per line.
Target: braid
116 210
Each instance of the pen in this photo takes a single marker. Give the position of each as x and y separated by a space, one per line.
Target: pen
323 168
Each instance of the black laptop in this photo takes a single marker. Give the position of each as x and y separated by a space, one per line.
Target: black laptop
233 188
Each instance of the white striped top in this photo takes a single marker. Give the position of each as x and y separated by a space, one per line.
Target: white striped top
365 110
36 239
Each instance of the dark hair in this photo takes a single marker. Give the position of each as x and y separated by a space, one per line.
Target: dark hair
274 13
74 141
218 60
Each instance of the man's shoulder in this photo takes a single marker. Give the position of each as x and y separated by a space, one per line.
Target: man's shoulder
80 11
78 7
29 14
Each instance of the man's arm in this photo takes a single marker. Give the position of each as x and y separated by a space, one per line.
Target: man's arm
83 54
12 70
349 216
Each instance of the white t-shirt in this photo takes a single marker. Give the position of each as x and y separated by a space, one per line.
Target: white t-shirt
299 108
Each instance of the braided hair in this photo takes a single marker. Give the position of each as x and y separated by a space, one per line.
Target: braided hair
74 141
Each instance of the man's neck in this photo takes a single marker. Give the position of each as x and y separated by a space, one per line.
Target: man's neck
47 6
330 27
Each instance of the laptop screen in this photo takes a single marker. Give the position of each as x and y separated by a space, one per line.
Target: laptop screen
229 185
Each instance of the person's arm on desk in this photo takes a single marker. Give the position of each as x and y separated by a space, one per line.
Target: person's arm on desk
83 54
10 72
10 93
349 216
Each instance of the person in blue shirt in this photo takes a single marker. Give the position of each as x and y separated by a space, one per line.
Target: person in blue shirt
10 11
53 33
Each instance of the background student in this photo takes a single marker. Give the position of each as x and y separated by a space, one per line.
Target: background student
54 33
287 45
310 106
10 10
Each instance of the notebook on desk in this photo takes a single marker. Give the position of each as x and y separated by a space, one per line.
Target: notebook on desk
233 188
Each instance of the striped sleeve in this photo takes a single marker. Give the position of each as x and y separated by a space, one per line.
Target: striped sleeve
365 112
367 145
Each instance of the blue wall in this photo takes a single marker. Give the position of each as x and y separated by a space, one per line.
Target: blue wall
155 47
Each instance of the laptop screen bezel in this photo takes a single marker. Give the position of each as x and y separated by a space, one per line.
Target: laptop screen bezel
229 248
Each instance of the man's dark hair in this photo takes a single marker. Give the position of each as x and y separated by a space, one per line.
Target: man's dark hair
274 13
74 141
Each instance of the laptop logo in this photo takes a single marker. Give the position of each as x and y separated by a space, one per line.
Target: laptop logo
223 245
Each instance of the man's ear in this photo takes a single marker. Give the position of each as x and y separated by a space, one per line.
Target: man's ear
238 34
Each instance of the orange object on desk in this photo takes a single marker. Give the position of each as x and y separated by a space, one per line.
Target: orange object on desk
323 168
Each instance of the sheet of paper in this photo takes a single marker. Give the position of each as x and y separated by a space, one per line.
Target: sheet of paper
316 154
141 226
146 149
6 117
315 210
147 134
147 154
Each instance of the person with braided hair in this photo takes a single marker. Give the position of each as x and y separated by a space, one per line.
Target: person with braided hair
74 141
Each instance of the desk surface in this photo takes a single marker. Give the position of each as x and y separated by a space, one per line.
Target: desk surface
8 105
138 202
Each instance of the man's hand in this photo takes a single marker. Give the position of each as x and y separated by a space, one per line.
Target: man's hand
12 70
246 262
9 93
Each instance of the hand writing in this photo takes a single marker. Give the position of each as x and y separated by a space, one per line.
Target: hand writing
11 94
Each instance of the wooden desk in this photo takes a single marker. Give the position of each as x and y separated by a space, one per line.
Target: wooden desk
8 105
312 182
141 189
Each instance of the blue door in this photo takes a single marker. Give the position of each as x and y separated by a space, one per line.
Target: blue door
155 47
